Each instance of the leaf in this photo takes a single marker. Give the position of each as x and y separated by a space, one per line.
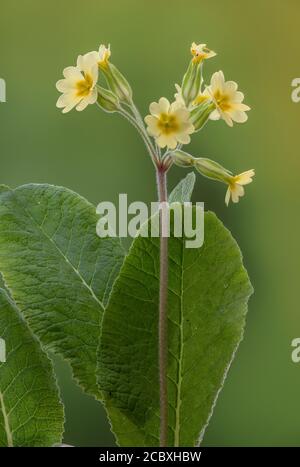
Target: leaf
31 413
58 270
207 303
183 191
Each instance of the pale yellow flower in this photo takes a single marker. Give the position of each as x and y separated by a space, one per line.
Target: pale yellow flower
79 85
236 186
169 123
201 52
104 54
100 57
227 99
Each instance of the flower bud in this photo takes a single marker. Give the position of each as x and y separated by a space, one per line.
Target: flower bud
182 159
191 82
117 83
107 100
212 169
200 114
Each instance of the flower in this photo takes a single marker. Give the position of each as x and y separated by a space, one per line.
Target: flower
200 52
169 123
104 54
235 187
79 85
101 57
115 80
227 99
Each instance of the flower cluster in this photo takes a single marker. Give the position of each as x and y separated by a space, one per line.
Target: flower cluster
169 126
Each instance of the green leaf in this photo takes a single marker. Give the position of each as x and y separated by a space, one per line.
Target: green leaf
183 191
58 270
207 303
31 413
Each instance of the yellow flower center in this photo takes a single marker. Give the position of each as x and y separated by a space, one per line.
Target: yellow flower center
84 86
199 55
168 123
223 101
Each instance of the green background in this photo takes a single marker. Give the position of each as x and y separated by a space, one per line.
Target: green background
99 156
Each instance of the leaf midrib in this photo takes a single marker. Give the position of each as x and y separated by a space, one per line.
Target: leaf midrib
178 397
6 422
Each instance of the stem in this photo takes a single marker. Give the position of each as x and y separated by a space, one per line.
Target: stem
163 314
161 175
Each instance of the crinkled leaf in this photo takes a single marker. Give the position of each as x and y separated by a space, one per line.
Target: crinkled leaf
207 303
31 413
183 191
58 271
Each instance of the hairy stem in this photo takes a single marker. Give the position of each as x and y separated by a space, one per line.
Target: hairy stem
163 315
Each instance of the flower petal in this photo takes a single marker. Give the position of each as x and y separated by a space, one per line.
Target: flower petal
64 85
237 191
215 115
152 128
227 196
242 107
154 109
227 118
217 81
238 97
67 99
183 138
231 87
70 106
86 62
245 177
72 73
93 96
167 140
181 112
82 104
164 105
238 116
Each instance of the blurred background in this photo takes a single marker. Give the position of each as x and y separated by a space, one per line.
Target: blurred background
100 156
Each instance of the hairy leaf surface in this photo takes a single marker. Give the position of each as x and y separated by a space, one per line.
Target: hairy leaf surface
31 413
58 271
